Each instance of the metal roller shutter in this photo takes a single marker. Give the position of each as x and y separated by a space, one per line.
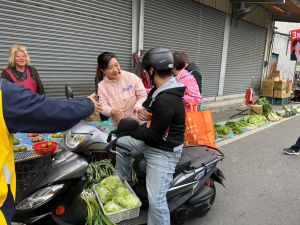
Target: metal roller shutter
245 57
185 25
65 37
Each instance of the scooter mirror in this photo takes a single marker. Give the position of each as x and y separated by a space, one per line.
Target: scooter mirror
68 91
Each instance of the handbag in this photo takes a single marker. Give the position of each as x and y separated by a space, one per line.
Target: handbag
199 128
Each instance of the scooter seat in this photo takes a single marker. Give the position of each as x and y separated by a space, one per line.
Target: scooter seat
139 164
192 156
183 163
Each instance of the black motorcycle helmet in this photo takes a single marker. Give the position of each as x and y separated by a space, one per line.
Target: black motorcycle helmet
160 59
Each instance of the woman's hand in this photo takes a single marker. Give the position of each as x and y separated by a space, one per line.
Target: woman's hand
144 115
97 107
117 113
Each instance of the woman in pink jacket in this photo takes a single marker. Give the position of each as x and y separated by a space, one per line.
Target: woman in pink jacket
121 94
192 93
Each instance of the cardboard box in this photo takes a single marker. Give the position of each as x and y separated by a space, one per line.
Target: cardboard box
268 84
276 78
280 85
273 68
276 73
256 109
267 93
289 86
280 94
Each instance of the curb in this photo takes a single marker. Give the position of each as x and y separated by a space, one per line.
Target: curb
229 140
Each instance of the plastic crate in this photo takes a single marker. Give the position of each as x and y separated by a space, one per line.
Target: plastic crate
281 101
278 101
124 214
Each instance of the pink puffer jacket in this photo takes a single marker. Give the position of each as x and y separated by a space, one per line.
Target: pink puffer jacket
192 93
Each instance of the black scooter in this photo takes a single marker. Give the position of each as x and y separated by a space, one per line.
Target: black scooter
55 199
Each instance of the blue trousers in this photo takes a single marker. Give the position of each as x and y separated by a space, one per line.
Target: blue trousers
159 175
8 207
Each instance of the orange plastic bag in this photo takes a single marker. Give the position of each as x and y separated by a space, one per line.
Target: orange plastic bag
199 128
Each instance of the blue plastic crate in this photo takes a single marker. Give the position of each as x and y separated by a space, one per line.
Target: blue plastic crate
281 101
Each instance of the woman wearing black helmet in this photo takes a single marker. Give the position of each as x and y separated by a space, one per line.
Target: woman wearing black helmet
161 142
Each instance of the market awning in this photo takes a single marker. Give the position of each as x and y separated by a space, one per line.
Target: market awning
282 10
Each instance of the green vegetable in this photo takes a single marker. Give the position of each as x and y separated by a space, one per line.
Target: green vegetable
111 183
128 201
222 131
99 170
111 206
236 127
122 191
256 120
94 214
267 110
104 194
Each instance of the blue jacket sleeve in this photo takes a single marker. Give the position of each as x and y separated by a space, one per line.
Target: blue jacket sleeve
25 111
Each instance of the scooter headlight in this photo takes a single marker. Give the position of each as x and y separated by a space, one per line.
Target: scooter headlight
40 197
72 140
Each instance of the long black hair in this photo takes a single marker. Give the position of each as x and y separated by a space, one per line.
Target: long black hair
103 60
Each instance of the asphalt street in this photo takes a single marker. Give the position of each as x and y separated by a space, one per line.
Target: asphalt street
262 183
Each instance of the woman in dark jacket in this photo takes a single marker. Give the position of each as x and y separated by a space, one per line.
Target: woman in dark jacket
19 71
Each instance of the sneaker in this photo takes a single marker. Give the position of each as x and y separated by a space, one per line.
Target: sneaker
290 151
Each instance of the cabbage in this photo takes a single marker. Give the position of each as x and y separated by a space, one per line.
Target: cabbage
111 183
122 191
112 207
104 194
128 201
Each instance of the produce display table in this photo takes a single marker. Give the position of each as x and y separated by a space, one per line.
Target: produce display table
24 142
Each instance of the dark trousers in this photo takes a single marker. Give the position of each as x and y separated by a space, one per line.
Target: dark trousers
297 145
8 207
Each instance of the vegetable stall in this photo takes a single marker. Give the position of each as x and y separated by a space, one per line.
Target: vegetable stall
246 123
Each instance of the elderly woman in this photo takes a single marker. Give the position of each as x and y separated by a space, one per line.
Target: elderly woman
121 93
19 71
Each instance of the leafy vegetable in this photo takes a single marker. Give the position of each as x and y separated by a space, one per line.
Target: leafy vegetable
115 195
94 213
111 206
111 183
268 110
104 194
256 120
122 191
236 127
222 131
99 170
128 201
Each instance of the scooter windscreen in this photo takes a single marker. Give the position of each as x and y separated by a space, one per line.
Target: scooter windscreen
84 137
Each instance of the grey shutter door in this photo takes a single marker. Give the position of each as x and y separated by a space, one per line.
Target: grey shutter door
185 25
64 38
245 57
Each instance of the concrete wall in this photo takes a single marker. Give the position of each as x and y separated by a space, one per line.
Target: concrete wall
281 46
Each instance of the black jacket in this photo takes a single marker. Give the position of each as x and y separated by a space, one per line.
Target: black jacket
168 118
194 70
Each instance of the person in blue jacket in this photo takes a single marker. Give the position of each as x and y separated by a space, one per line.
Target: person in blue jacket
21 110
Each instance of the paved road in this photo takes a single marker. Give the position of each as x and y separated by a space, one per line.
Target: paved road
263 184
